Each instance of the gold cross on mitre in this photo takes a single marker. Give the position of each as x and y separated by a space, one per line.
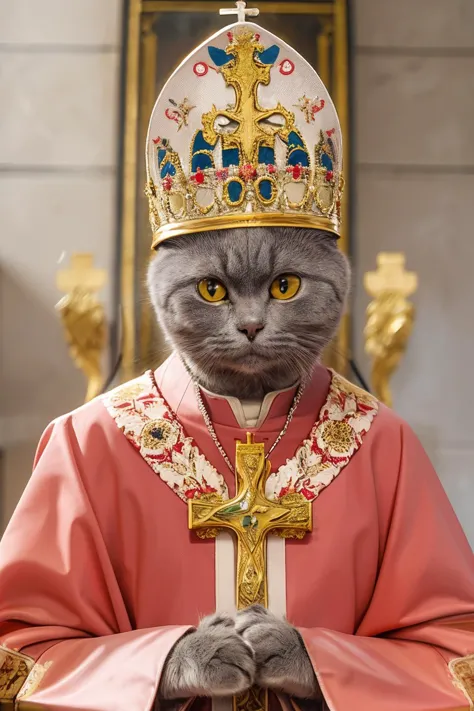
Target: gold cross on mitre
251 516
254 127
242 11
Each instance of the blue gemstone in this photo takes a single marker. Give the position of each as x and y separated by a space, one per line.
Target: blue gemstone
266 155
270 55
326 161
230 156
298 157
202 160
265 189
219 56
167 169
161 155
294 139
234 189
200 143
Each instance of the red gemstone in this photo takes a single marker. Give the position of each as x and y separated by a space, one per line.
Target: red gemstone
168 183
271 168
198 177
222 174
329 176
297 172
230 36
247 172
257 37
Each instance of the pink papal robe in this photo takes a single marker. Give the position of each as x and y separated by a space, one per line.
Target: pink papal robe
100 576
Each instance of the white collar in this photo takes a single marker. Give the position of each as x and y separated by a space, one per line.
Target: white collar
249 413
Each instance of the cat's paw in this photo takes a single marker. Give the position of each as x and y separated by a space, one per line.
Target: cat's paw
212 661
280 655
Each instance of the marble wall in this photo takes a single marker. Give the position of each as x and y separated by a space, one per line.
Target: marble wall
59 81
414 104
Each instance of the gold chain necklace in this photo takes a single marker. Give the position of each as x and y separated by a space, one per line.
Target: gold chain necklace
212 432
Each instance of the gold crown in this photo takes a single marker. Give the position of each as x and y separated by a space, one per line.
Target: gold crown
252 162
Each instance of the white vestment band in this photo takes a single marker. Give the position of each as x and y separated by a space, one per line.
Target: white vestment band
226 558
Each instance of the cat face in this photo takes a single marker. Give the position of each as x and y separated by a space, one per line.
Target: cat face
249 310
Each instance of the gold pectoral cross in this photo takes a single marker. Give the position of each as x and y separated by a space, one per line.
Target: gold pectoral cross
251 516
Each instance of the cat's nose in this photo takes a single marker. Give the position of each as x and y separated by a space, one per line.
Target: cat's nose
251 330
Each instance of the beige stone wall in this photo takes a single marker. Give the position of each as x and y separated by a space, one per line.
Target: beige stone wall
414 102
59 63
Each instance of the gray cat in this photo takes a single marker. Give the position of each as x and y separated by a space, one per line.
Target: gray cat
249 311
249 343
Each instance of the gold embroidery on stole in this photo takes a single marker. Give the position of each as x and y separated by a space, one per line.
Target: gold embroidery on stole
143 416
14 670
34 680
463 674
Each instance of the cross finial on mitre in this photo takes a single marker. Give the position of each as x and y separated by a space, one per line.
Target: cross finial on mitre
242 11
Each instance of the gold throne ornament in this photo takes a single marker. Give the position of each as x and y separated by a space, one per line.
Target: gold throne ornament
390 318
83 318
251 517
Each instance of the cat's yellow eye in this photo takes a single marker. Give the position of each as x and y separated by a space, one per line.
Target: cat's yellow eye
212 290
285 287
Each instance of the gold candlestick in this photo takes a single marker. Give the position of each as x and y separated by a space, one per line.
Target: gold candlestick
83 317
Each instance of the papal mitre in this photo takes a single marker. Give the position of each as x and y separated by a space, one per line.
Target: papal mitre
244 133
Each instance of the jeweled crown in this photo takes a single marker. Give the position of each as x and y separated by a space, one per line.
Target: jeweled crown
243 133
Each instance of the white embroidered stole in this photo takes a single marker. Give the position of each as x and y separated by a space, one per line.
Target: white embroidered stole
146 420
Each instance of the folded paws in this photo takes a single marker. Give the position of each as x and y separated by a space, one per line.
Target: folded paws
214 660
280 655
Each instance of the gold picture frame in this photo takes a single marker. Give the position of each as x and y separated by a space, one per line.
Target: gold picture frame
328 45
